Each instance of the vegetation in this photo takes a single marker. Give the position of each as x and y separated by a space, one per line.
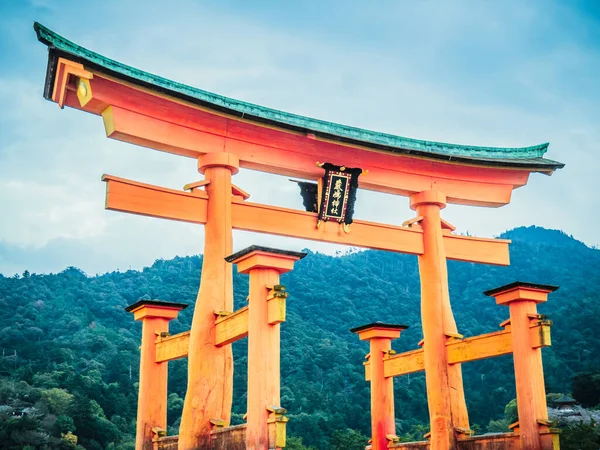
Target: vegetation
69 352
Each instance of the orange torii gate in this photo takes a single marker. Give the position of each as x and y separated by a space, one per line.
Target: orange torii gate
224 134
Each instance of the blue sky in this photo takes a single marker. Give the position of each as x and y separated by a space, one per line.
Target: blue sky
507 73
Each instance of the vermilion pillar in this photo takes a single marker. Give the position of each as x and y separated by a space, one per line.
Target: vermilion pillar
445 393
383 422
264 265
210 369
152 398
522 299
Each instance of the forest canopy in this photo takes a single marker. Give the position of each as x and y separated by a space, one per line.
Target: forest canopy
69 352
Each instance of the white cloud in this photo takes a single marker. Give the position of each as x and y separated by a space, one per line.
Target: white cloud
461 72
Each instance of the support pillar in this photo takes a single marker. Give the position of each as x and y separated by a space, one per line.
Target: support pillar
522 299
383 422
152 397
210 369
264 265
445 393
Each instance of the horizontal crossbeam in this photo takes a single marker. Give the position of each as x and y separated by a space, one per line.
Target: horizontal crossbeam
232 327
464 350
268 150
229 328
139 198
172 347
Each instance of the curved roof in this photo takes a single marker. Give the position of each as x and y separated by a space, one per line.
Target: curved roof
526 157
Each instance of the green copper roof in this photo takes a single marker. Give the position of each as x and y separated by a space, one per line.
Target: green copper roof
528 157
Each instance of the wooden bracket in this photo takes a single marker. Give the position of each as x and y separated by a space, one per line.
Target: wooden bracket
463 432
218 423
447 226
196 185
276 309
159 432
239 192
453 335
392 438
276 287
414 221
535 316
276 409
276 424
342 168
277 291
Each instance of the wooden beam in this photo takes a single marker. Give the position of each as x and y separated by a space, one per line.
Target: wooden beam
404 363
229 328
139 198
301 224
479 347
276 310
465 350
148 200
232 327
192 133
172 347
474 249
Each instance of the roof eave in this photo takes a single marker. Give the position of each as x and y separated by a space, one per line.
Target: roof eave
541 165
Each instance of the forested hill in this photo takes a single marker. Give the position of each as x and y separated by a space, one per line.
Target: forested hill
69 352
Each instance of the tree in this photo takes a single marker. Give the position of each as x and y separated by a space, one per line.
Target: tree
581 436
58 401
295 443
347 439
586 388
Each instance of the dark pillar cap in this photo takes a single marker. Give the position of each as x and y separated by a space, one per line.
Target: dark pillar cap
260 248
139 303
520 284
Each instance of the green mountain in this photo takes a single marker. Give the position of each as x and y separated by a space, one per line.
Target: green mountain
69 352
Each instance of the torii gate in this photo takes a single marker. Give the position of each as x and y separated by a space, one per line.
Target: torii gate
224 134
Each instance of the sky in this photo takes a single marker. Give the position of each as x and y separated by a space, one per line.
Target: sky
507 73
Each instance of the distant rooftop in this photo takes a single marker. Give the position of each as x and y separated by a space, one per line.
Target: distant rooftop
530 158
565 400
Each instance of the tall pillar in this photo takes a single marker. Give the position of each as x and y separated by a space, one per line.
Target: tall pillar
152 397
445 393
522 299
264 265
210 369
383 422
